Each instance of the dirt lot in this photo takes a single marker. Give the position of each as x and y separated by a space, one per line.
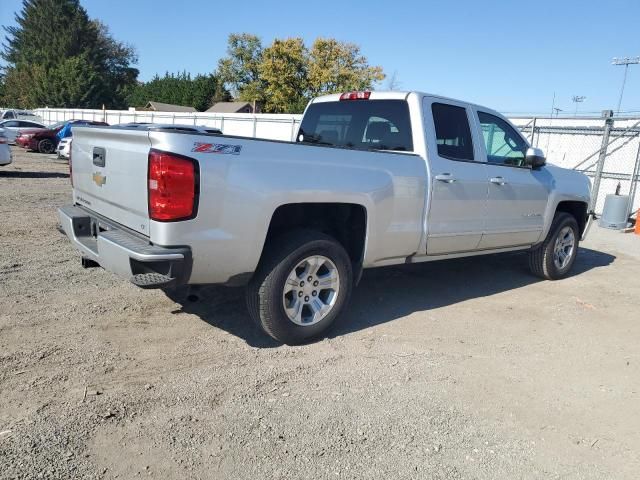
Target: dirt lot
461 369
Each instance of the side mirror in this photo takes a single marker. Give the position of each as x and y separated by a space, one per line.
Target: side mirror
535 158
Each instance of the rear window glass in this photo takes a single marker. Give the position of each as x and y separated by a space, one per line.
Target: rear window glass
358 124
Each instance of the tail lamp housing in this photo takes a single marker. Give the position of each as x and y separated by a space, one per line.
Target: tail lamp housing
70 167
173 187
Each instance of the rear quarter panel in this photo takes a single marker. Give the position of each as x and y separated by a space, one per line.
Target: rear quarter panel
240 192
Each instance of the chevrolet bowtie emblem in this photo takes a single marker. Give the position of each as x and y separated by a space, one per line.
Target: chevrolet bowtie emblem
98 179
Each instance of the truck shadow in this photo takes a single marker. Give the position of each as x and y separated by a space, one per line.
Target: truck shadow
388 293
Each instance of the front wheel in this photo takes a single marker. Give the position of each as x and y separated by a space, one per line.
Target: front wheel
554 258
46 146
302 284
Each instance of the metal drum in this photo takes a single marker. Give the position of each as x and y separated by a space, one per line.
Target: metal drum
614 213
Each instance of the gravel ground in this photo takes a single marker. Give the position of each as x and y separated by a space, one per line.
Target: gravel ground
452 370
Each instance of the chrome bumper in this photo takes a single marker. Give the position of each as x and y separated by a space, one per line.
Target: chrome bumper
124 253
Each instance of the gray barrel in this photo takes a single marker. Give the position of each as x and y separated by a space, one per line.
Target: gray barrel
614 213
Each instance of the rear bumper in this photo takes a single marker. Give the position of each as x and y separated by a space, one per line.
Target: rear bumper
124 253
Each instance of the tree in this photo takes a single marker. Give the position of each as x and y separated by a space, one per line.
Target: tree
285 75
199 92
240 70
284 71
337 67
53 42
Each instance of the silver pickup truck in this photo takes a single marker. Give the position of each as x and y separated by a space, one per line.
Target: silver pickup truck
373 179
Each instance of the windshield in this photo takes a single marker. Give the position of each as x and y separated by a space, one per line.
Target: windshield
358 124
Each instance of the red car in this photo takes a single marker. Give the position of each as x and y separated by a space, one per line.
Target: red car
45 140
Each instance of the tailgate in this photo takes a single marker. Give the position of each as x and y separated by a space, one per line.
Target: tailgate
109 168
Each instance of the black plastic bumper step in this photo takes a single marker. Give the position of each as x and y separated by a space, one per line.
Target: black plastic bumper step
152 280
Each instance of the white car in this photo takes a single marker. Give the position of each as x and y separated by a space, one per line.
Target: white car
12 114
64 148
11 128
5 152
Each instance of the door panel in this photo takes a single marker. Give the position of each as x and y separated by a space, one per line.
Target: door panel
517 195
458 182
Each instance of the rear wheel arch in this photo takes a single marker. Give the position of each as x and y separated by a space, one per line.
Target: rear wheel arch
345 222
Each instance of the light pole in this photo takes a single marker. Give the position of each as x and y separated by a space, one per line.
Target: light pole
577 99
626 61
557 110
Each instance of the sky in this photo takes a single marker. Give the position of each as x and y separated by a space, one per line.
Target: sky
510 56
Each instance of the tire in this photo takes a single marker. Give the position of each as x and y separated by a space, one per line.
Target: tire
543 261
291 260
46 146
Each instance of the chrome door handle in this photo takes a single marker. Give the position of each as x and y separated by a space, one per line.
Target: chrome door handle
445 177
498 180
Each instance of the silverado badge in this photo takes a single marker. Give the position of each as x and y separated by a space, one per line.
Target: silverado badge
98 179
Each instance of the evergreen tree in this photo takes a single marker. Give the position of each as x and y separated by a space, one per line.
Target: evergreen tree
57 56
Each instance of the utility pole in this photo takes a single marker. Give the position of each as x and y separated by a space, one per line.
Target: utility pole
626 61
577 99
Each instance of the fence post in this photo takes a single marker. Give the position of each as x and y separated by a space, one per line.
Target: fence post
255 125
293 128
222 124
533 129
634 182
608 124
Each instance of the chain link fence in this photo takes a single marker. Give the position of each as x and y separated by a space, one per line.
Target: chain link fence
607 150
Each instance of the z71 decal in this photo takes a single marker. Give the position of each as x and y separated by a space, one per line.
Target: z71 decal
221 148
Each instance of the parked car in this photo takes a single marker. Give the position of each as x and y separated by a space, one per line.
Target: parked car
13 114
5 151
10 128
45 140
375 178
64 147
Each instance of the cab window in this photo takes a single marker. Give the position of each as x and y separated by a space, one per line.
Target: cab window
504 145
358 124
453 135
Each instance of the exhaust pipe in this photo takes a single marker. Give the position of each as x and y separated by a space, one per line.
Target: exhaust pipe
88 263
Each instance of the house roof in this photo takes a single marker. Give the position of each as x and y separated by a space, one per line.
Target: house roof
229 107
167 107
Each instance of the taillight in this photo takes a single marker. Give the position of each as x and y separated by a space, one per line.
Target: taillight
173 187
355 96
70 169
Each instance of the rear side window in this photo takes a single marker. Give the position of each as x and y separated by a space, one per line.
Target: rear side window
358 124
453 134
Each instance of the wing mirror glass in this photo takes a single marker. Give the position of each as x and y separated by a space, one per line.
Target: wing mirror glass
535 158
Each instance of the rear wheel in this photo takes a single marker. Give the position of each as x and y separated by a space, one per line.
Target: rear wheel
46 146
301 286
554 258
